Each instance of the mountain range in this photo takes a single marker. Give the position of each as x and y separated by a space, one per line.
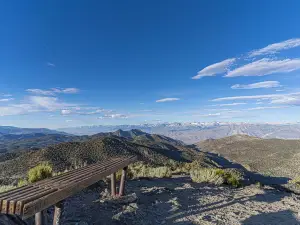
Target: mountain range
191 133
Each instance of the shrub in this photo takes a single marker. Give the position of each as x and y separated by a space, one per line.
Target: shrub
22 183
216 176
232 178
40 172
139 169
6 188
295 181
207 175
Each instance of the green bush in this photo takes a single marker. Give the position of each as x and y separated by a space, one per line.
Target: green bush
207 175
216 176
6 188
22 183
40 172
295 181
139 169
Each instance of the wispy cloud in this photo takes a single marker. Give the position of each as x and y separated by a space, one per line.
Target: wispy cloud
276 47
266 107
289 99
34 104
264 84
113 116
231 104
214 69
53 91
264 67
168 99
208 115
6 99
50 64
5 95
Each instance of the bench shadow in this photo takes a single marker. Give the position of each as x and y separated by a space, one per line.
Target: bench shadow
274 218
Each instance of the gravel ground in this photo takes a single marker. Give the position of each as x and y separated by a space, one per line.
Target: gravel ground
179 201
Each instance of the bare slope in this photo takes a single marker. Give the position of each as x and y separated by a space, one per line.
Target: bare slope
275 157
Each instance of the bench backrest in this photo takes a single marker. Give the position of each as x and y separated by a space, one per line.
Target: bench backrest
28 200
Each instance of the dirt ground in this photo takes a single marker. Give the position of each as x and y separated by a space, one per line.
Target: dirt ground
179 201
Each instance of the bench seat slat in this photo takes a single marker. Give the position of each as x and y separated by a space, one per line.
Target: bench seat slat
49 200
28 200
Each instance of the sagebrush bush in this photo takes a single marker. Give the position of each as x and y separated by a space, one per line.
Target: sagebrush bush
139 169
6 188
40 172
207 175
216 176
22 182
295 181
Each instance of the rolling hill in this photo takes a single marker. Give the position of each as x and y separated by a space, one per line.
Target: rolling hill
276 157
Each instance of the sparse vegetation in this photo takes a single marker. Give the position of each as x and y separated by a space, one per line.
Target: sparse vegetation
140 169
295 181
22 182
207 175
37 173
6 188
216 176
40 172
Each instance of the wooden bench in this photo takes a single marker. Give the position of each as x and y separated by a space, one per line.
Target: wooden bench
31 200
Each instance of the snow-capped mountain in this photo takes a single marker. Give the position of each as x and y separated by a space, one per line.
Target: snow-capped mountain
193 132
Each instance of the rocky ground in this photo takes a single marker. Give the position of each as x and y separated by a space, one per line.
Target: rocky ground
179 201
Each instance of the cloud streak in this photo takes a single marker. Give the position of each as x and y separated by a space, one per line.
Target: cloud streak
214 69
264 84
288 99
6 99
168 100
264 67
113 116
276 47
53 91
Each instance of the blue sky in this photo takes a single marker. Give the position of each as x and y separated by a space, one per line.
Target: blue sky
74 63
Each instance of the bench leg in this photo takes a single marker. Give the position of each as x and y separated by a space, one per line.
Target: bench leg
122 182
39 218
58 210
113 184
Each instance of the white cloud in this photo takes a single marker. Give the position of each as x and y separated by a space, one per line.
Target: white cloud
214 69
50 64
6 95
113 116
47 103
264 67
65 111
266 107
168 99
231 104
264 84
289 99
209 115
276 47
6 99
53 91
68 121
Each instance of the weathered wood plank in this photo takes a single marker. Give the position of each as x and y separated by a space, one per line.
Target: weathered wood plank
44 202
113 184
58 210
122 181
